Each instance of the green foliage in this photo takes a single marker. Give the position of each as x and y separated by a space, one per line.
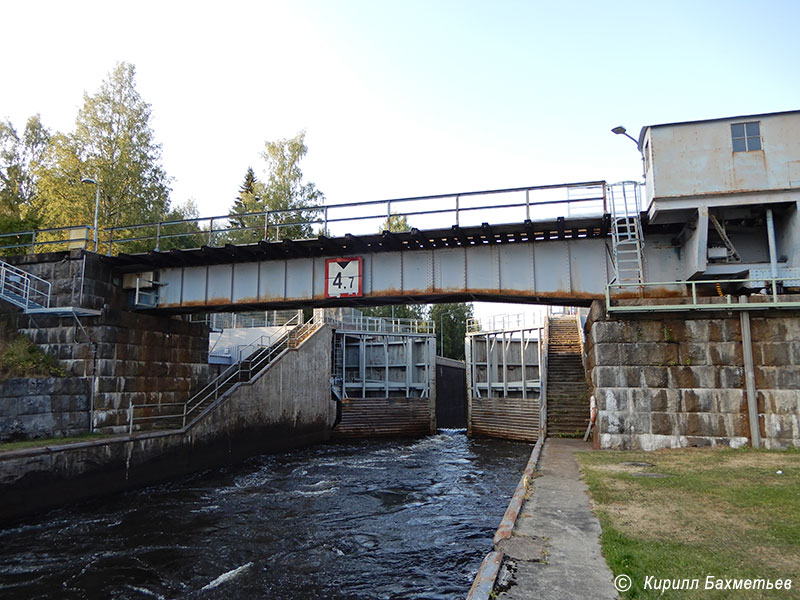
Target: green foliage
284 190
113 144
399 311
19 159
395 223
19 357
451 328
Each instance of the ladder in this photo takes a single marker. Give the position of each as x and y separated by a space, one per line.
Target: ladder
626 232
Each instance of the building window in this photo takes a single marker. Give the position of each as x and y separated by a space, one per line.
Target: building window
746 136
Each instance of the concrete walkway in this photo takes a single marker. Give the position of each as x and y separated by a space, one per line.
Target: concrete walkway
554 550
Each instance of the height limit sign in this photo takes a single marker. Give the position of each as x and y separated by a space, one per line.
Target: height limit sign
343 277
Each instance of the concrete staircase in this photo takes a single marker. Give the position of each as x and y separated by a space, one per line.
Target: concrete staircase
567 391
264 351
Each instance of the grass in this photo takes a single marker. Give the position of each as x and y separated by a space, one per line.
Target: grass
51 441
20 357
721 512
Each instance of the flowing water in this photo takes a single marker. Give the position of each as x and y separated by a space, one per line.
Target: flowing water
374 519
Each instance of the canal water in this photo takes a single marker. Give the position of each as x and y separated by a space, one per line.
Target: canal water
377 519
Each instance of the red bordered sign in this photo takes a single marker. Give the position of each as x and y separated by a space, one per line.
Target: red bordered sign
343 277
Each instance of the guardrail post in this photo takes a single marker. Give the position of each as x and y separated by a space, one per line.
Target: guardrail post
211 232
457 202
527 208
158 235
266 225
33 241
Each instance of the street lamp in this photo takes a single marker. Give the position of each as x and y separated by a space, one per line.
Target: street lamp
96 204
620 130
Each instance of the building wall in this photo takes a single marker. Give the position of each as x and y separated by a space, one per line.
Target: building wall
679 381
698 159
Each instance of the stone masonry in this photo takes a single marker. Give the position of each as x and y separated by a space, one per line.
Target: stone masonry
679 380
130 356
43 408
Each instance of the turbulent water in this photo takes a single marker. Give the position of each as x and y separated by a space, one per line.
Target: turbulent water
399 519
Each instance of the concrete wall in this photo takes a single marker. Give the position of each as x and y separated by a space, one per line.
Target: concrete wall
289 405
680 381
43 408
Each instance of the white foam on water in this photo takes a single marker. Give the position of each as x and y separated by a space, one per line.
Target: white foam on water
225 577
145 591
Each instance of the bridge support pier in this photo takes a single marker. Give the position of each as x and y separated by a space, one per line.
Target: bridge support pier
680 380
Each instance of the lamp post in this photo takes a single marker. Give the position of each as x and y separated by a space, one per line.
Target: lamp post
620 130
96 204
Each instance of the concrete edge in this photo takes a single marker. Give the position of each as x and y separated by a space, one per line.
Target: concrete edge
512 512
484 581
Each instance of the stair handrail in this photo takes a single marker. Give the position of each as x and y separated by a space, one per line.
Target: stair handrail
23 289
265 349
543 362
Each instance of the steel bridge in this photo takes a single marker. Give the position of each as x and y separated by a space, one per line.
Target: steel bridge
565 244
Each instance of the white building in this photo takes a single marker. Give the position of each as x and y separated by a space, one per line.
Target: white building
735 184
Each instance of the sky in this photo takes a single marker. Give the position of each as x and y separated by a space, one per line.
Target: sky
403 98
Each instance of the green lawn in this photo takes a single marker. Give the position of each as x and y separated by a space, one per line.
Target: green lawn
721 512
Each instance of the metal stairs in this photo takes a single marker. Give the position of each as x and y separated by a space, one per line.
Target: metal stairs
254 359
32 294
626 233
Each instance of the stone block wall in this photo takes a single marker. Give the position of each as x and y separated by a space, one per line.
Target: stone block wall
43 408
131 356
679 380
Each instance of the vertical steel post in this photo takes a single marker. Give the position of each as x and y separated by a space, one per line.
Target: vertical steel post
773 259
749 376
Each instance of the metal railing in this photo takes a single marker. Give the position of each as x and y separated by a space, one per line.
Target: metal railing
358 218
354 320
245 320
239 352
505 322
693 301
77 236
23 289
254 358
544 355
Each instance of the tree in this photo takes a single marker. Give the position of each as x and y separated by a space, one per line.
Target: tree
246 202
114 144
395 223
399 311
451 327
284 191
19 158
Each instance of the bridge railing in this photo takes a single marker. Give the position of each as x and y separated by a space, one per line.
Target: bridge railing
465 209
46 240
684 295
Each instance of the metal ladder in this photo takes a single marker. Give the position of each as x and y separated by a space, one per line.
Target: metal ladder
626 232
